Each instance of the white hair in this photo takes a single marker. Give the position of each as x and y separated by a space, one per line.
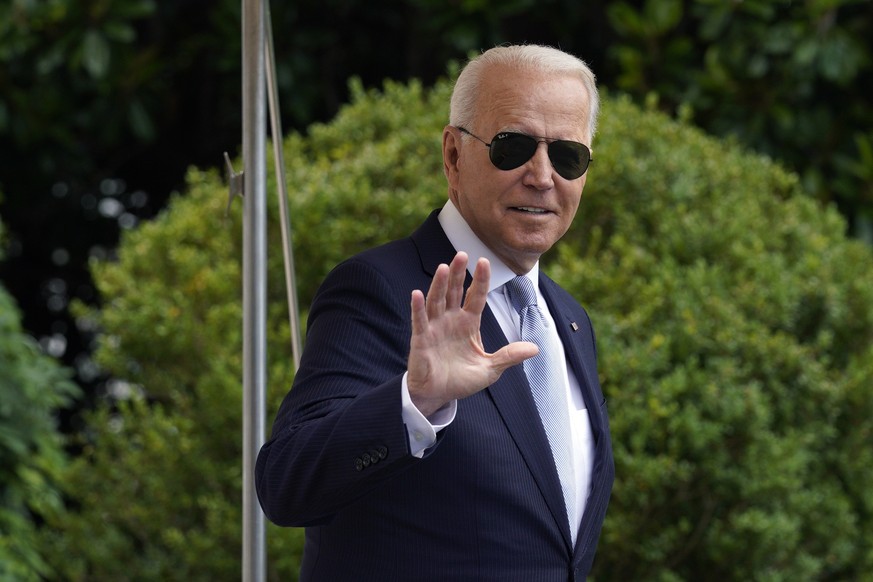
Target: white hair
531 57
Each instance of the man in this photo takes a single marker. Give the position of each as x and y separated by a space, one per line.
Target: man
459 435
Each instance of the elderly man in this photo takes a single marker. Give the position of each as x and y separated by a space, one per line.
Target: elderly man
459 435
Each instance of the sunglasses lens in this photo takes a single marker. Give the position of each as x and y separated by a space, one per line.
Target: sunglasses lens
511 150
569 158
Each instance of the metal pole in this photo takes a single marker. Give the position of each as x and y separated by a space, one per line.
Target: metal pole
284 215
254 283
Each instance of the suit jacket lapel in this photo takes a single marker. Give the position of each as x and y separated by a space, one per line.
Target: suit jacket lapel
433 245
512 396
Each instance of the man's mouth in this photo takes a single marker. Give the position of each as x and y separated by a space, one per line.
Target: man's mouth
530 209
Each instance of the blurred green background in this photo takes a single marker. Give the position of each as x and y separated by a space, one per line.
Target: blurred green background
722 248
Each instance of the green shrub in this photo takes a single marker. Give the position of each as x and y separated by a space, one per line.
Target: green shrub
735 324
734 318
32 387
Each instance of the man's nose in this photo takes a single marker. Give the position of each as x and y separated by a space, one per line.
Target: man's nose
539 168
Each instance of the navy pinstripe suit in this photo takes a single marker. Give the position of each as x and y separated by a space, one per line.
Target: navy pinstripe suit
483 504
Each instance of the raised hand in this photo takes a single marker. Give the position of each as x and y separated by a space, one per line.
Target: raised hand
446 358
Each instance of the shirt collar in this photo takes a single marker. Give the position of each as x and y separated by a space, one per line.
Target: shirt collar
464 239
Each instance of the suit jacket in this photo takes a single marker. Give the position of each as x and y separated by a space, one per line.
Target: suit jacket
484 503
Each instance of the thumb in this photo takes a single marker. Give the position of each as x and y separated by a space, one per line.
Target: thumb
513 354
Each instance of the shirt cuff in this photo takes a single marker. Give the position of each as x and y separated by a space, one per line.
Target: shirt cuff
422 430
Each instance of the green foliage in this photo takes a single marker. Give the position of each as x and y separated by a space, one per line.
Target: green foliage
784 77
735 327
735 323
32 387
369 175
86 47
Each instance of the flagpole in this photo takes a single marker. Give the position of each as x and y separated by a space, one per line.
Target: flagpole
254 282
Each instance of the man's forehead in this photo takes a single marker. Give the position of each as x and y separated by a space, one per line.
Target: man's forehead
533 102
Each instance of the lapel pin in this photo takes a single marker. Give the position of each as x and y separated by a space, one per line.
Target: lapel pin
574 326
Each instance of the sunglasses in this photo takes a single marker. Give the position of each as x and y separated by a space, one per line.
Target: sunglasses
510 150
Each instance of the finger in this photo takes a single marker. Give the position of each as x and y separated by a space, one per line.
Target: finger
436 295
477 294
457 275
419 313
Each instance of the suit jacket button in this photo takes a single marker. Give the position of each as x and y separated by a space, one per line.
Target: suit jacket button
374 457
359 464
365 459
382 451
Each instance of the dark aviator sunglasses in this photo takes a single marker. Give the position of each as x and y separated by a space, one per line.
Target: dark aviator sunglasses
509 150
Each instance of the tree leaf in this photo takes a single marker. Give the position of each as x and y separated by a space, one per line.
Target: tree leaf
95 54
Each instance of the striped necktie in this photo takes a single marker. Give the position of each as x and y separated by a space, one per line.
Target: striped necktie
543 374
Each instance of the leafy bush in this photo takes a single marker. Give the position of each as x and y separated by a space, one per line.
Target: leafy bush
735 325
783 77
32 387
734 317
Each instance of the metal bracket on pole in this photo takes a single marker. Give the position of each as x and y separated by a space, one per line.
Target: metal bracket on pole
235 183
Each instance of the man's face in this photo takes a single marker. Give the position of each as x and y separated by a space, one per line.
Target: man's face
519 214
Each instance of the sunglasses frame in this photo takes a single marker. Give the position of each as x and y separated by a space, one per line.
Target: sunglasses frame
548 141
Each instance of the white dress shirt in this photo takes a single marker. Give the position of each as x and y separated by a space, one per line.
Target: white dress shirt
422 431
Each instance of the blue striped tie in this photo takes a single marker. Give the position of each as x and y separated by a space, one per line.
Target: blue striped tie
548 391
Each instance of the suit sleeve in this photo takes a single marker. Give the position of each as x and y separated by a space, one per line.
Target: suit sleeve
339 432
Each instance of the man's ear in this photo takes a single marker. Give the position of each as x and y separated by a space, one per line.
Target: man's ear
451 154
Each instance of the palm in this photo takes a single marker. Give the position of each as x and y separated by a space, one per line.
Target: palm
446 358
